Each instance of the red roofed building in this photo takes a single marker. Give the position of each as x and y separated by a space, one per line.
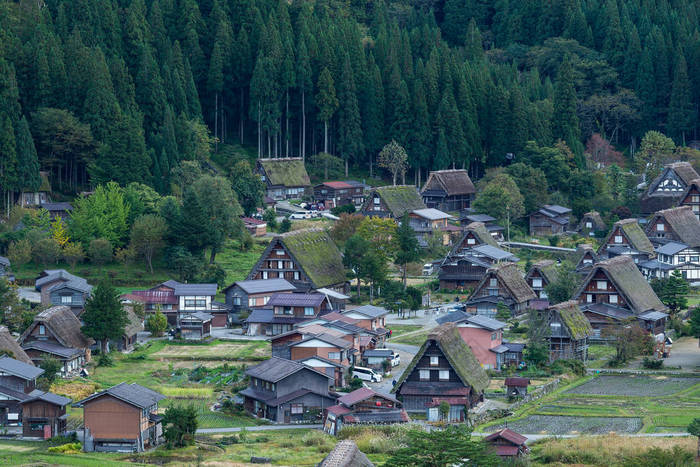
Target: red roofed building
516 387
334 194
256 227
363 406
508 443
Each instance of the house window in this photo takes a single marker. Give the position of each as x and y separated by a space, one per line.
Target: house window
589 298
694 259
695 199
333 355
681 259
376 200
434 361
251 301
42 329
424 375
660 227
297 409
444 375
309 311
589 225
280 264
237 301
602 285
471 241
613 299
296 275
618 238
494 336
264 275
493 282
493 292
587 261
265 300
537 282
279 252
288 310
66 299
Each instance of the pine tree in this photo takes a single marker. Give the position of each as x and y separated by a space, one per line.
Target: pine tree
645 88
632 57
326 101
614 44
28 178
8 160
350 141
565 118
104 317
681 110
473 45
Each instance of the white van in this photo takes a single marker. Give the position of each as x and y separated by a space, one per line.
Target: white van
300 215
395 359
428 269
366 374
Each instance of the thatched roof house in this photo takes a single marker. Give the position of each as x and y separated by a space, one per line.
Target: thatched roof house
284 178
666 189
475 234
310 258
591 222
572 319
10 347
392 201
541 274
504 283
626 236
691 197
444 369
448 190
346 454
679 225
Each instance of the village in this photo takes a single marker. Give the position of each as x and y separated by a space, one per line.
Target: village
578 329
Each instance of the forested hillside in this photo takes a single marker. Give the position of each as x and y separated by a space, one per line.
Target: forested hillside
98 90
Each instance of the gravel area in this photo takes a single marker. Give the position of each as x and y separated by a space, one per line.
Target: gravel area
634 385
564 425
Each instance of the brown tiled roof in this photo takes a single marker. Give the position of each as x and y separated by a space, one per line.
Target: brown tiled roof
359 395
515 381
683 222
453 182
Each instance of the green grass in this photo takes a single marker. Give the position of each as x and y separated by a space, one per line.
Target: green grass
412 339
236 263
400 329
35 453
598 355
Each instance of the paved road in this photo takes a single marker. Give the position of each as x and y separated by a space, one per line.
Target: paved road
411 349
205 431
685 353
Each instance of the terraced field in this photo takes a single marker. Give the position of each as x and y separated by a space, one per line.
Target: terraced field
612 403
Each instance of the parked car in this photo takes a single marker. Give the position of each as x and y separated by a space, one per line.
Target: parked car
395 359
366 374
428 269
300 215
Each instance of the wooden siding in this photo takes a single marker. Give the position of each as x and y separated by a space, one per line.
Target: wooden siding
109 418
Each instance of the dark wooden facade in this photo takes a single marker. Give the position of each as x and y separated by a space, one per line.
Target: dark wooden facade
43 419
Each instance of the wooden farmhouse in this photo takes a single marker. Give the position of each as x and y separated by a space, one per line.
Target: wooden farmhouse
667 189
284 311
17 380
430 222
676 234
123 418
448 190
256 227
496 231
60 288
516 387
333 194
392 201
363 406
248 295
58 210
614 292
284 178
541 274
34 198
444 369
691 197
551 219
286 391
591 223
474 234
56 333
307 258
502 284
507 443
568 332
627 238
584 258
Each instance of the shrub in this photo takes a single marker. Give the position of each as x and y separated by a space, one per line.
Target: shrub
73 253
156 324
562 366
345 208
100 251
180 425
652 363
105 360
46 251
68 448
355 383
270 217
285 225
317 438
51 367
20 252
675 457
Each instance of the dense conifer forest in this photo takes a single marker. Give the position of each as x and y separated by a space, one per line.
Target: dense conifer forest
124 90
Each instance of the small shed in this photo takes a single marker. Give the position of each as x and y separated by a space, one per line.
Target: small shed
375 358
516 387
508 443
195 325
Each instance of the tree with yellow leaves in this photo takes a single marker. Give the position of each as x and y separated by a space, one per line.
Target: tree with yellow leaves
59 232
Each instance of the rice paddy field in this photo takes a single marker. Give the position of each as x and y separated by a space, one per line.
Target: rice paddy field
611 404
186 373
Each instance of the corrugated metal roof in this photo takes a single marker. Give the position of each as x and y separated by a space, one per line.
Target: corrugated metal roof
276 369
492 252
47 397
133 394
19 369
296 299
431 214
370 311
486 322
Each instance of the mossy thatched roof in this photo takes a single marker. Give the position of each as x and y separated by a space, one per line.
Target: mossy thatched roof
635 235
289 172
457 352
317 255
400 199
10 347
683 222
548 268
573 318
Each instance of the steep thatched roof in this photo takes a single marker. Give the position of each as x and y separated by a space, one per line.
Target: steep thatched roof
398 199
479 230
549 269
10 347
63 324
289 172
595 218
581 251
571 316
453 182
683 222
694 184
134 324
629 282
634 233
684 170
510 276
457 352
317 255
346 454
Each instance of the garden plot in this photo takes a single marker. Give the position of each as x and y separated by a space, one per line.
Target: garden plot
562 425
640 386
246 350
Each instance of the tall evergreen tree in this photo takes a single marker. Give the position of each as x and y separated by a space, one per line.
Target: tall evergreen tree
681 112
326 101
350 141
565 119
